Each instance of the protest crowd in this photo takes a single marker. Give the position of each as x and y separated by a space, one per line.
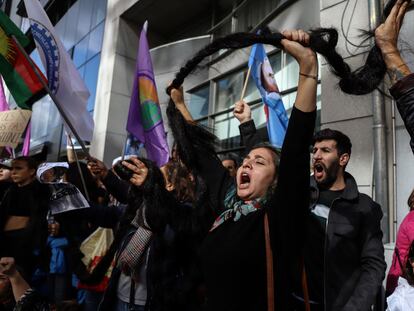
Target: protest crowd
186 230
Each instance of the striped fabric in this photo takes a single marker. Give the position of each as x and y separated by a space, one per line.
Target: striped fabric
133 254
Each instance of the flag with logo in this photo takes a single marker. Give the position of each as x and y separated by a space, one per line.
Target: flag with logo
262 74
144 118
65 81
15 68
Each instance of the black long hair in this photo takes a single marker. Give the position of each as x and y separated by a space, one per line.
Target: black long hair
322 40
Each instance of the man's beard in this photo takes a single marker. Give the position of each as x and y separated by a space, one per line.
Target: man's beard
331 174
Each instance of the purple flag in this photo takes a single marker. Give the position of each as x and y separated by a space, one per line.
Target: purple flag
3 103
26 144
4 106
144 118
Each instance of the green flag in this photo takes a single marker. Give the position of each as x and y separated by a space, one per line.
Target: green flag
15 68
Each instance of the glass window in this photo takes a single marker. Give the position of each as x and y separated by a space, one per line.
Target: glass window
275 61
290 73
80 51
203 122
95 41
289 100
99 12
40 117
84 21
91 77
258 115
81 71
71 20
225 126
229 90
252 92
199 99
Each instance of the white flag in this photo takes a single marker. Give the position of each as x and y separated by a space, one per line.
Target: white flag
64 80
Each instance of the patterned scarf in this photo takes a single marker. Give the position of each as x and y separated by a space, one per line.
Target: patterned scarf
236 208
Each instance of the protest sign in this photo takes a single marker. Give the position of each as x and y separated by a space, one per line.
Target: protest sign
12 125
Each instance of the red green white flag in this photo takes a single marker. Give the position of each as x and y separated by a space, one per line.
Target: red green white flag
15 68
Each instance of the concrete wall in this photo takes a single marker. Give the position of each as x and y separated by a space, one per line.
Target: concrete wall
116 74
353 114
114 82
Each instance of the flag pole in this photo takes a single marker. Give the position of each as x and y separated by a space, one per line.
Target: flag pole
245 83
52 96
79 168
124 148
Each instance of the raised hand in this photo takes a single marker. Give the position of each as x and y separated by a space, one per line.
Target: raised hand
242 111
97 168
177 96
386 38
139 169
386 34
296 43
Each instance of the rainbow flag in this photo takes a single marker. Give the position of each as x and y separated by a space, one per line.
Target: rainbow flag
144 119
15 68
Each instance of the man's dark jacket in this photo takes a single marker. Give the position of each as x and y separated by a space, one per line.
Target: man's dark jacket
354 253
354 265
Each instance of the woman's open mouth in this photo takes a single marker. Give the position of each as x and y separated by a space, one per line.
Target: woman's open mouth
244 181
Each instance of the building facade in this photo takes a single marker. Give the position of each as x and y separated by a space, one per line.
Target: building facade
380 164
381 161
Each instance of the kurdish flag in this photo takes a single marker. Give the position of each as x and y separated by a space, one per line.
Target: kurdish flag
16 70
144 118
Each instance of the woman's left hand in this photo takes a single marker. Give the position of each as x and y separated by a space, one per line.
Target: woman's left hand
139 169
296 43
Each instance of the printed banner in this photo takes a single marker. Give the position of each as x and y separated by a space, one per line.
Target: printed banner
66 197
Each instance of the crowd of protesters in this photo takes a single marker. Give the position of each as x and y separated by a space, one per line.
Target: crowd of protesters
211 234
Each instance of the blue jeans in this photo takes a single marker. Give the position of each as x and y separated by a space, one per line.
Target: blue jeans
124 306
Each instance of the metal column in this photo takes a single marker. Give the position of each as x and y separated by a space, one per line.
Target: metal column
379 133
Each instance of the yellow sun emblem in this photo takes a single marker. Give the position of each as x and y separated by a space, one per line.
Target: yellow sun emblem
6 46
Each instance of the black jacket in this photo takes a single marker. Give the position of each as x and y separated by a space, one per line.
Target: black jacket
403 93
354 263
